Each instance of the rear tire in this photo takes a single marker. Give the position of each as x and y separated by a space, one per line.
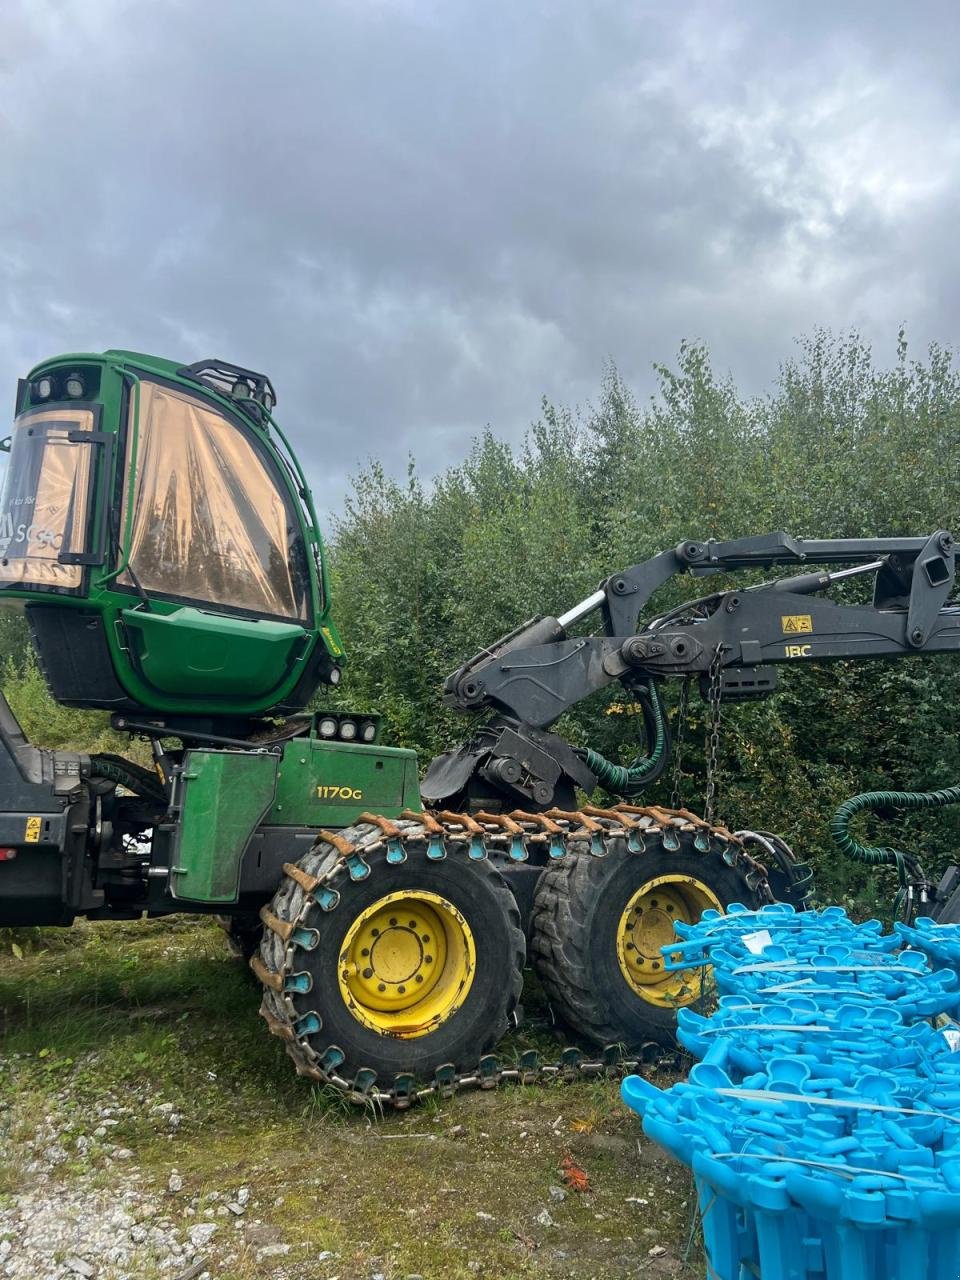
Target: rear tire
587 938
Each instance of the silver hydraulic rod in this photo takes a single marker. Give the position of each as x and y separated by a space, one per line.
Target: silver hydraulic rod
582 609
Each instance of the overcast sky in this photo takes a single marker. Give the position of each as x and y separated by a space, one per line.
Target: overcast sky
419 216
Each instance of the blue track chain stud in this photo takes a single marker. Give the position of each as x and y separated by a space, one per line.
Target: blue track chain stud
364 1080
598 845
402 1091
306 939
529 1066
301 982
557 848
518 849
308 1025
435 850
478 849
612 1056
670 840
358 868
445 1079
488 1069
326 899
396 853
331 1059
635 841
570 1061
701 840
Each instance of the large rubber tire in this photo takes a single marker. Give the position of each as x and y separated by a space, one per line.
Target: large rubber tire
577 911
477 890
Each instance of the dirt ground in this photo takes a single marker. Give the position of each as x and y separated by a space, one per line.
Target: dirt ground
150 1127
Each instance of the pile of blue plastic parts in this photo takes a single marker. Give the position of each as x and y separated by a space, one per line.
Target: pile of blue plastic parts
822 1118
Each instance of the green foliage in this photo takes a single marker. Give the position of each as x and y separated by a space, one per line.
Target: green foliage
43 720
426 575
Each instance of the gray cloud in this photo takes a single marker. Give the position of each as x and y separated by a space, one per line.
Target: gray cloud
420 215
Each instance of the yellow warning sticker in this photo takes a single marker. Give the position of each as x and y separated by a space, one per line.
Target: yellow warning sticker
796 624
332 645
32 833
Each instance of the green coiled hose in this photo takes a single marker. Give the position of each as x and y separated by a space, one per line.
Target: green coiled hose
881 855
628 780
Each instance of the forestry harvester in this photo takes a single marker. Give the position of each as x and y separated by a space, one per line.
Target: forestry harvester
158 531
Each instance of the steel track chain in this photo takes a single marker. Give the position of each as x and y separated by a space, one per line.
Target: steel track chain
341 857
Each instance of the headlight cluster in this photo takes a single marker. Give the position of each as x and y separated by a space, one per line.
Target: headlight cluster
48 386
348 728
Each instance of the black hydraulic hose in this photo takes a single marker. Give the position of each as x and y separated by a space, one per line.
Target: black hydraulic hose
629 780
125 773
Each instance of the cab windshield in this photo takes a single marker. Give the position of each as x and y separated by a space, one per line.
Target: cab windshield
210 521
45 500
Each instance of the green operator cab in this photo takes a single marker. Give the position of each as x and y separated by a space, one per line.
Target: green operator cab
161 534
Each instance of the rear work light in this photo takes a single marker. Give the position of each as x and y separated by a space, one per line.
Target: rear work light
7 855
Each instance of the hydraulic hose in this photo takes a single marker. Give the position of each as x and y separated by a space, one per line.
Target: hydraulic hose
881 855
628 780
127 774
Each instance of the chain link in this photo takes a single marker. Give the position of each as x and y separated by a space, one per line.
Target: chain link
713 734
683 703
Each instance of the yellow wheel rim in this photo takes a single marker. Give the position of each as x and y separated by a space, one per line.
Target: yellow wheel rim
646 925
407 964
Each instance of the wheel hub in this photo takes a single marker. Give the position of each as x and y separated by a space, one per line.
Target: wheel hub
407 963
646 925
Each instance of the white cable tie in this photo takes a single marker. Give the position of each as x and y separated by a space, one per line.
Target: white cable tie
787 966
763 1026
841 1104
848 1170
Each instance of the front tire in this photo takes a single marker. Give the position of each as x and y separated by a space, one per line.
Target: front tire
415 966
598 926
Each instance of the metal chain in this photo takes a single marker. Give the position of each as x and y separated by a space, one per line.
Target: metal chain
713 734
303 891
676 795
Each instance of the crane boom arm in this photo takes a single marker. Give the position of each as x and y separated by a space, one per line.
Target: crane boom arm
531 676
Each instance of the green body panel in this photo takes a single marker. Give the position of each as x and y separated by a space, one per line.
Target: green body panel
165 684
192 651
225 795
316 775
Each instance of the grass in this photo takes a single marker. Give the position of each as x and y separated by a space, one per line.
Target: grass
149 1013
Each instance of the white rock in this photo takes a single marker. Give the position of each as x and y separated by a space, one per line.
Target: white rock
243 1195
80 1268
202 1233
544 1219
175 1182
656 1252
272 1251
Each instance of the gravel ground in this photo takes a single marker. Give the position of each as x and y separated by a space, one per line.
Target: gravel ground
150 1130
82 1207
